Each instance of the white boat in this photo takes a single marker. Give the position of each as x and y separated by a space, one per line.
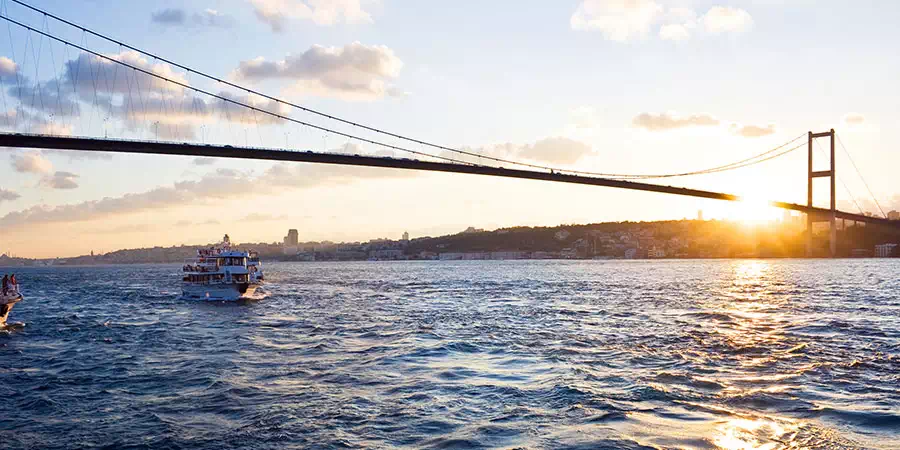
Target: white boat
7 301
220 273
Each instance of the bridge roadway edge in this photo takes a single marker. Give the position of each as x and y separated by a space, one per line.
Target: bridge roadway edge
16 140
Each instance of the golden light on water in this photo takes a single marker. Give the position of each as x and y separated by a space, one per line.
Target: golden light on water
753 434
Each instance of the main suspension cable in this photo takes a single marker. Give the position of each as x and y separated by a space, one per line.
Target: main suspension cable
236 102
736 165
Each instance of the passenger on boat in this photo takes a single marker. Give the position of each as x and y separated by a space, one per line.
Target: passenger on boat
13 284
5 284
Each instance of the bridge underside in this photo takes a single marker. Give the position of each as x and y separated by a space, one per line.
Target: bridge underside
227 151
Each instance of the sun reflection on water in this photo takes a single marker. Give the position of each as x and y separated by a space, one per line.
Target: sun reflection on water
758 434
755 334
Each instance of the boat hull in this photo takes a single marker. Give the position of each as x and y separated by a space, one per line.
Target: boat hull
218 292
6 305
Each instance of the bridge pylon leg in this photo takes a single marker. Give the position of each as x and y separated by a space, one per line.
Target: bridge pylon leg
832 216
809 198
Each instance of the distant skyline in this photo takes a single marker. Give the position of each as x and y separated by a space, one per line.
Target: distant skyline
637 86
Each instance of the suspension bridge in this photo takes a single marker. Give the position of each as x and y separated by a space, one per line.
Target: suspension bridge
95 84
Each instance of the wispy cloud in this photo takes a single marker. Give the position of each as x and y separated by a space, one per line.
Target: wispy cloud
223 184
723 19
8 68
752 131
854 119
277 13
553 150
618 20
30 162
7 195
670 121
201 161
180 17
260 217
60 180
624 20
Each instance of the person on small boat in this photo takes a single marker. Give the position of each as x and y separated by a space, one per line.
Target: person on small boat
13 284
5 284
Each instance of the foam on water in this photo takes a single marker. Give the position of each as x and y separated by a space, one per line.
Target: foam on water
532 354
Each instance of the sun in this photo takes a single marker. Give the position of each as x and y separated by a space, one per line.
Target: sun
755 209
751 209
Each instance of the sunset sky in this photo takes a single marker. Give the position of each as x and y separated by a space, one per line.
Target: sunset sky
621 86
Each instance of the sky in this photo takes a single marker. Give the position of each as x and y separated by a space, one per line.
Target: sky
611 86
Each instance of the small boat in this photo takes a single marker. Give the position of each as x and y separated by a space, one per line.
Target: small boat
220 273
7 301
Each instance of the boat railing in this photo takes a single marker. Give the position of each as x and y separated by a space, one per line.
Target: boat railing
193 265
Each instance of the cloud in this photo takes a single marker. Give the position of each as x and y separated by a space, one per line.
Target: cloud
305 175
558 150
618 20
223 184
201 161
176 118
723 19
213 18
88 72
180 17
853 119
258 217
170 16
752 131
623 20
554 150
48 97
7 195
30 162
8 118
670 121
60 180
679 24
276 13
8 67
80 155
214 186
355 71
674 32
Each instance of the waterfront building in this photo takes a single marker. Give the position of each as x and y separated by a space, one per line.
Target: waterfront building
885 250
292 238
894 215
386 254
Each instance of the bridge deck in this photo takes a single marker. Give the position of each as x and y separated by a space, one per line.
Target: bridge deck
227 151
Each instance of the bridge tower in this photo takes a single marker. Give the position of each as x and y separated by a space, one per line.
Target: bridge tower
831 218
